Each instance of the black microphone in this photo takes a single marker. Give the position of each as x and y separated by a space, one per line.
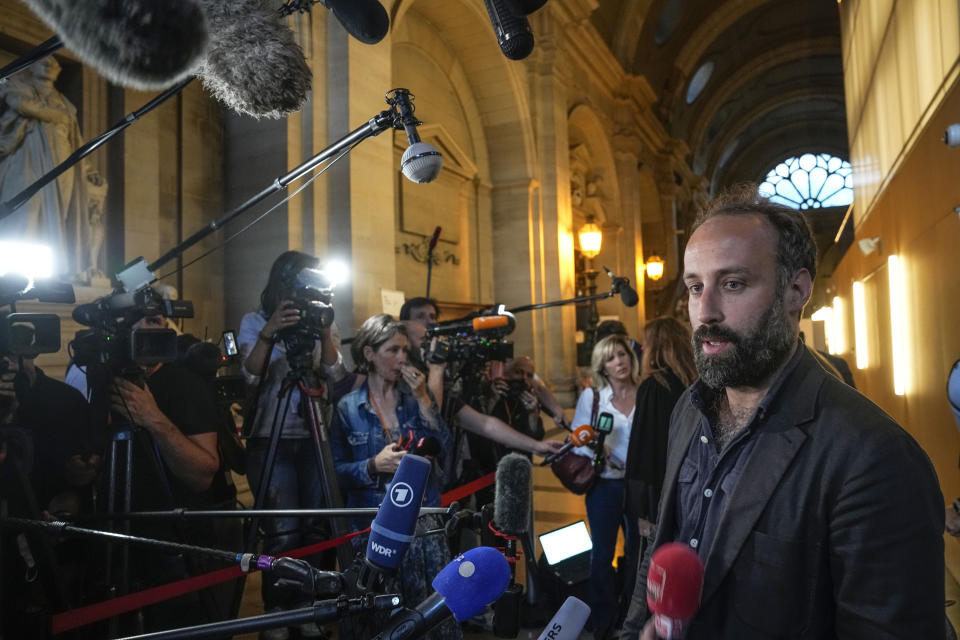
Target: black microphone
463 589
291 573
253 66
365 20
513 32
421 162
622 286
434 238
427 446
524 7
142 44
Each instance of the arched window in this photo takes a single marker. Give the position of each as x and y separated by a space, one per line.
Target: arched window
699 81
810 182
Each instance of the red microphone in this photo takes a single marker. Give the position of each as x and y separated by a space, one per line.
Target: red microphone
674 584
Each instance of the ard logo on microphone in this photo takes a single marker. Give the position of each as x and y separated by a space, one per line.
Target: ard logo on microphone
401 494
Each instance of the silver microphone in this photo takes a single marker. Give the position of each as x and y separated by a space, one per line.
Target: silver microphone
421 162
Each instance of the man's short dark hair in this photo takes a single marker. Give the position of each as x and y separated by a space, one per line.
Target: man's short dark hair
796 248
609 327
414 303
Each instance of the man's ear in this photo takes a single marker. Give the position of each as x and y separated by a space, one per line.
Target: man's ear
798 291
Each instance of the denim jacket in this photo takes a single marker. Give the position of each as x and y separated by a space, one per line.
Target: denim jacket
356 435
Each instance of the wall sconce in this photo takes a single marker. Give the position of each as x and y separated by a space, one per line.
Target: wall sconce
869 245
654 267
838 328
860 325
591 239
898 324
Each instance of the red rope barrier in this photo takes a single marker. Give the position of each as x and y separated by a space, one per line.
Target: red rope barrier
75 618
468 489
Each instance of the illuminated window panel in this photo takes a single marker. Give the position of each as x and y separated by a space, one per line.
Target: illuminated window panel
810 182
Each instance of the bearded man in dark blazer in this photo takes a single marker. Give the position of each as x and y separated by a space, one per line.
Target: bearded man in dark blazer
815 514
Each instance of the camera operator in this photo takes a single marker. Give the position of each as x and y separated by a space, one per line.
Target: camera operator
180 418
425 311
295 479
513 400
46 465
63 461
176 463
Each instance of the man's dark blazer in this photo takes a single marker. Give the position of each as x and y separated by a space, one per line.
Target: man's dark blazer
835 529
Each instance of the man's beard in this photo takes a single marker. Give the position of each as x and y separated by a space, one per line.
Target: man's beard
750 359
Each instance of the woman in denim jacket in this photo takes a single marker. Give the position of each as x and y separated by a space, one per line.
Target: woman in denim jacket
392 407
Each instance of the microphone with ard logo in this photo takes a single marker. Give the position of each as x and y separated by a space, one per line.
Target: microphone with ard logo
396 520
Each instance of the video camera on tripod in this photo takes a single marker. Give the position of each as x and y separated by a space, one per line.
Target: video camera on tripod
477 340
29 334
311 291
113 339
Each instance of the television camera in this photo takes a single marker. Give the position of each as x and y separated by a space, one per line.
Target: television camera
476 340
311 291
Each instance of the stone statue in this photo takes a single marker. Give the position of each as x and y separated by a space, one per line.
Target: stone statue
38 130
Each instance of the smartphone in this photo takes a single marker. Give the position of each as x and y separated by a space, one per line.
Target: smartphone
604 423
230 343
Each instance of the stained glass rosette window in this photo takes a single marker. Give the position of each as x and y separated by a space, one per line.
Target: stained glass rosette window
810 182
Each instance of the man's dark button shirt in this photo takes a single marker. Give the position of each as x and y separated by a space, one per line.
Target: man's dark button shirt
707 477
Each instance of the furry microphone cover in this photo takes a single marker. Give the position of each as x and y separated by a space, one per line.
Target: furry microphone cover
512 494
143 44
253 64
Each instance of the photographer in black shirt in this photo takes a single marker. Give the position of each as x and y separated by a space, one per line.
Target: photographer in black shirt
46 466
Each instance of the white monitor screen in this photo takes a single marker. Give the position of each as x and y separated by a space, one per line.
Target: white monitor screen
566 542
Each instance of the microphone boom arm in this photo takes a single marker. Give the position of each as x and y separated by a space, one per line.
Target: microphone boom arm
7 208
384 120
560 303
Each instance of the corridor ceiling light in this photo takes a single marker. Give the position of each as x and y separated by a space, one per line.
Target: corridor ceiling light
591 238
898 324
654 267
28 259
860 325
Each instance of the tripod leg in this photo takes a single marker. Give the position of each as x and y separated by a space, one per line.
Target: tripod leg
328 475
266 474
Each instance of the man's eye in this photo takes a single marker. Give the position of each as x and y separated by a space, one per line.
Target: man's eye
695 288
734 285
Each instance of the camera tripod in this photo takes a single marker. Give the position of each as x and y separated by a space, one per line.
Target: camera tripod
311 406
128 460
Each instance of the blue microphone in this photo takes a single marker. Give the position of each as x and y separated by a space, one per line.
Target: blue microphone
396 520
463 588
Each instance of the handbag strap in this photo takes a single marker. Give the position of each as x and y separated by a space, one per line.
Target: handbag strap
596 407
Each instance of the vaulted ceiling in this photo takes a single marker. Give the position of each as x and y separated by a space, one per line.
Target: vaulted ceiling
776 85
